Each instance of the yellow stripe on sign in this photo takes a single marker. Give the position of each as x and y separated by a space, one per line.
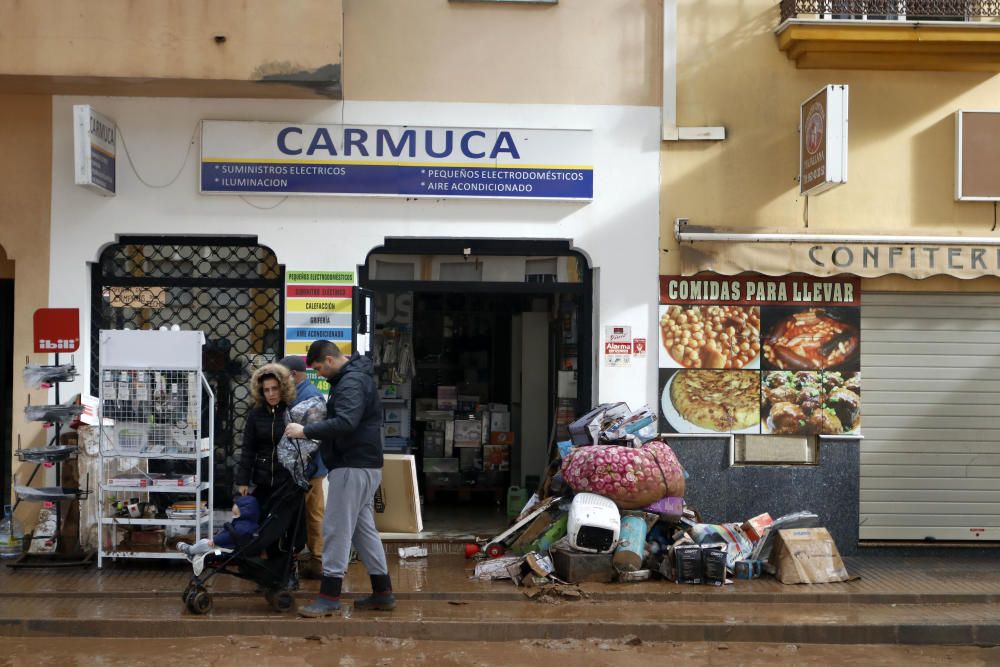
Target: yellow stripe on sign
302 347
318 305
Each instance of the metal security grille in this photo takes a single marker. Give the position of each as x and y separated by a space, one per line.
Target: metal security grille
913 10
230 288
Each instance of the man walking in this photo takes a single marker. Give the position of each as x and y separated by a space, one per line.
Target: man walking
304 389
351 446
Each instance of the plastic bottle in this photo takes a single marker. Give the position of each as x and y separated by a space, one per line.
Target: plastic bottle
11 534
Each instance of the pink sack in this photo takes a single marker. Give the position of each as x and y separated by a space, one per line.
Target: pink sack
632 478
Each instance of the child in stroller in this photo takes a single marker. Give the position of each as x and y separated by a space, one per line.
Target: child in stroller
246 513
279 534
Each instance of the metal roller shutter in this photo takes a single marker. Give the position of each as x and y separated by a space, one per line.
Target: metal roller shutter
930 460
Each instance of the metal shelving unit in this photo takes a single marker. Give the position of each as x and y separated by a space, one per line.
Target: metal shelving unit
151 410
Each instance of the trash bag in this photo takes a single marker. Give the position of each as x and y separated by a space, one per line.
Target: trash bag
295 454
631 477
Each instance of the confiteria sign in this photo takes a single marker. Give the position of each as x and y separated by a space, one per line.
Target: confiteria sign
868 260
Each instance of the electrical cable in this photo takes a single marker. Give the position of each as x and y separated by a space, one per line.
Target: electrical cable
994 217
173 180
264 208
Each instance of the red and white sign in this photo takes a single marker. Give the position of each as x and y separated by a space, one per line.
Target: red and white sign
639 347
617 346
57 329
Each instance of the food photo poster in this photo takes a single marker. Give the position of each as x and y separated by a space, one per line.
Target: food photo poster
759 354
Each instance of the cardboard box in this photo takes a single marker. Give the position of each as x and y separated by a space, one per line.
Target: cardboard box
447 398
808 556
499 421
688 566
468 433
496 457
754 528
502 438
397 501
470 458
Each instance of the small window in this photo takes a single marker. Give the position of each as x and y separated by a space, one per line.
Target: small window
393 270
466 271
775 450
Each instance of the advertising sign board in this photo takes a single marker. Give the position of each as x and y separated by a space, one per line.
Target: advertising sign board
258 158
823 140
759 354
95 138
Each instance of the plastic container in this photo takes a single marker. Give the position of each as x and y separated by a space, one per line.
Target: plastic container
631 543
11 534
516 499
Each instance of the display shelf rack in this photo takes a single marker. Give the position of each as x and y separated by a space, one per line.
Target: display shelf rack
152 412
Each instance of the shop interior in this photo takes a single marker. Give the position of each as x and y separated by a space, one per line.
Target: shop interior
479 378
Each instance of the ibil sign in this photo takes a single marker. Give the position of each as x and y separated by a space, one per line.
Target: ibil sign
823 140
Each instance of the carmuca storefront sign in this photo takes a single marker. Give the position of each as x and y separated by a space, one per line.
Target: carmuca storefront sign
258 158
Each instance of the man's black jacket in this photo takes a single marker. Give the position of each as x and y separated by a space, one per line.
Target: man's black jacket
351 435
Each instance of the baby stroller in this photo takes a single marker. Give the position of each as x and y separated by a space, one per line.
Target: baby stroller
280 525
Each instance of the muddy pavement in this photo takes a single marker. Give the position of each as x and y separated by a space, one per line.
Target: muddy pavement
239 651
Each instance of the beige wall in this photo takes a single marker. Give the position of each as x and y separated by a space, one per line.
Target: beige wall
901 165
167 47
25 189
574 52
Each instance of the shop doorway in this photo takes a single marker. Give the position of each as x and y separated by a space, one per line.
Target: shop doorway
6 372
231 288
483 354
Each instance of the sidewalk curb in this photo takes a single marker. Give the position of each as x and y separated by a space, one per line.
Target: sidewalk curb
380 626
516 595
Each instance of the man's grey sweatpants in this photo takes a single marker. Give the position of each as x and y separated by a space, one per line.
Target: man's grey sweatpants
350 517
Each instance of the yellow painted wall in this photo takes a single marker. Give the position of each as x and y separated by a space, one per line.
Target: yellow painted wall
165 47
25 189
901 161
574 52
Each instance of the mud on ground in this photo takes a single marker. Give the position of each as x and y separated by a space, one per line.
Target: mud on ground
352 652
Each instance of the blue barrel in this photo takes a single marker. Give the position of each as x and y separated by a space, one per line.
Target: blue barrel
631 543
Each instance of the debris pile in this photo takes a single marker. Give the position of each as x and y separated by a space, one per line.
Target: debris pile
611 508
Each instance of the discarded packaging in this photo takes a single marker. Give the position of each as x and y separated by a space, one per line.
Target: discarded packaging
754 528
714 563
688 564
412 552
495 568
531 566
808 556
762 550
670 509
